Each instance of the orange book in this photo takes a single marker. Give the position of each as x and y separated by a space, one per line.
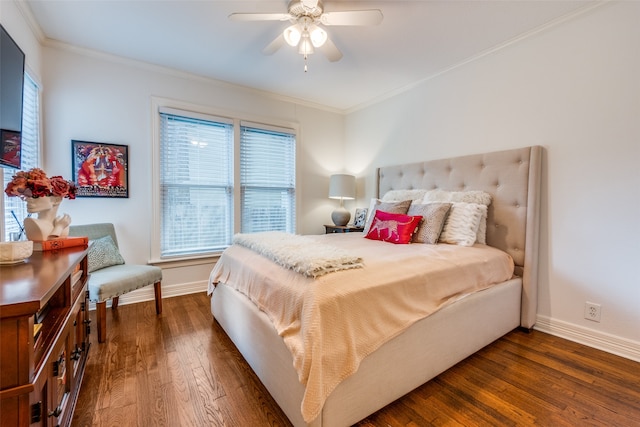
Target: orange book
68 242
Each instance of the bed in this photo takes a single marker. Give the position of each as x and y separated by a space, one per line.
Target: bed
433 343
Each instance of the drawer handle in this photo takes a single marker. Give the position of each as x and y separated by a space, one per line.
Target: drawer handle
56 412
57 365
87 321
75 354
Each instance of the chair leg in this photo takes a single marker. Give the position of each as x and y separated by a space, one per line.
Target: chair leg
158 295
114 302
101 314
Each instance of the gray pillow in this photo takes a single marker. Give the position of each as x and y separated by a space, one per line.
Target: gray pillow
433 217
103 252
379 205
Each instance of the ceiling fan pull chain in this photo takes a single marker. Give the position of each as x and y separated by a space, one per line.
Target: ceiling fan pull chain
305 63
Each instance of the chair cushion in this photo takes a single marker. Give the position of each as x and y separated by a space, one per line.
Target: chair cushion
116 280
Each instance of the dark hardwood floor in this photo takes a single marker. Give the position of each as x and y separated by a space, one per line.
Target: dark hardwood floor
180 369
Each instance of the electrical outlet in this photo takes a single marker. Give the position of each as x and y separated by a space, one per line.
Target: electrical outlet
592 311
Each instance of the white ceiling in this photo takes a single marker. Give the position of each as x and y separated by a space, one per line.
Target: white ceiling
417 39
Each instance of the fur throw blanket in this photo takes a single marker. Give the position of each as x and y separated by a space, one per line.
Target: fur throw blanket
299 253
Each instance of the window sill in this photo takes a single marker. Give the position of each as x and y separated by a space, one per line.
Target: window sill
184 261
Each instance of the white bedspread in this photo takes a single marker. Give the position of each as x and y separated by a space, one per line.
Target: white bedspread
332 322
301 254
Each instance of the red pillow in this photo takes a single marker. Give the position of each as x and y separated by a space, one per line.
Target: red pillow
394 228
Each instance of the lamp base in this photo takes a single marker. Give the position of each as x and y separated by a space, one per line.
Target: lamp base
340 216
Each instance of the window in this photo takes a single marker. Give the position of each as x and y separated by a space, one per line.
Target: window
267 179
204 183
196 190
15 210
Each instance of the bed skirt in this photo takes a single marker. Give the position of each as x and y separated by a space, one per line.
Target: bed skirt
420 353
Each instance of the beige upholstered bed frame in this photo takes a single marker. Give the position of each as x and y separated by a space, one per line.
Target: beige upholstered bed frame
439 341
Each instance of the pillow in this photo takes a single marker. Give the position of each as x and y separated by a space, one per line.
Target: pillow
400 195
471 196
103 252
481 234
461 225
391 207
394 228
433 217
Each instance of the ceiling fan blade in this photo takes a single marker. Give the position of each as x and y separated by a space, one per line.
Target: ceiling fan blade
276 44
244 17
352 17
330 50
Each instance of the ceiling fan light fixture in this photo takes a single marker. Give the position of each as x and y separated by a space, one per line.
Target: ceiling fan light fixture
305 18
318 36
292 35
305 47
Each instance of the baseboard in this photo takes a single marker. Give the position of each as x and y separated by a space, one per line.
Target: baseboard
168 291
602 341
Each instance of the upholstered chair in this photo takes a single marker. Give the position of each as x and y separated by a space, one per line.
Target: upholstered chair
110 277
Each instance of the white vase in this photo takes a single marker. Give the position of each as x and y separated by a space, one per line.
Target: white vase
47 225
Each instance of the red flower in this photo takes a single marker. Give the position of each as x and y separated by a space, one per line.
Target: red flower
71 194
34 183
59 186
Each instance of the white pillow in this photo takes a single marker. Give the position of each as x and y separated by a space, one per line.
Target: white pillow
462 223
400 195
471 196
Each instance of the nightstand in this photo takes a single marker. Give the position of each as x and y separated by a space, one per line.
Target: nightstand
341 229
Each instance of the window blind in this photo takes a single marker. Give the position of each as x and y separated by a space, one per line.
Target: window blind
196 188
30 156
200 159
267 179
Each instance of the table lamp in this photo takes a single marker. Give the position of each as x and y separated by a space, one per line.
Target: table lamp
342 186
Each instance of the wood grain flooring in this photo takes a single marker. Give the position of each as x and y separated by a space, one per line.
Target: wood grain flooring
180 369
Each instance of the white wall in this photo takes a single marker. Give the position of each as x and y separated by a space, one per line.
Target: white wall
574 89
97 98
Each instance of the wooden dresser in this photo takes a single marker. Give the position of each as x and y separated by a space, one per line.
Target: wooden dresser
44 337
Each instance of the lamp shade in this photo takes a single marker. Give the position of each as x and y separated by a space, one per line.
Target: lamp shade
342 186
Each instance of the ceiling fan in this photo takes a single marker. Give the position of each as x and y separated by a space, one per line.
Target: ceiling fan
306 32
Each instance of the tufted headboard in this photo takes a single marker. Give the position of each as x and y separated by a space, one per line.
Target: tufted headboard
512 177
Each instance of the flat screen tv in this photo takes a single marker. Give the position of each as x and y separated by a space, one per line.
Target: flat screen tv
11 91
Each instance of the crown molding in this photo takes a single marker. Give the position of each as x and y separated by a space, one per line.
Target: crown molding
26 13
55 44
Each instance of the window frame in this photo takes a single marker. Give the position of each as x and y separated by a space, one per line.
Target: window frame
28 79
158 104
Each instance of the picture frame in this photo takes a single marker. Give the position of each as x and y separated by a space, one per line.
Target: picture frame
10 149
360 217
100 169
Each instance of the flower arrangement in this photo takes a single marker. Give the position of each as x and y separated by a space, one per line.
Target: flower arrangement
34 183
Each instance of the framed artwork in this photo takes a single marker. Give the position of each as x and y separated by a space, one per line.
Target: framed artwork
10 149
100 170
360 217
